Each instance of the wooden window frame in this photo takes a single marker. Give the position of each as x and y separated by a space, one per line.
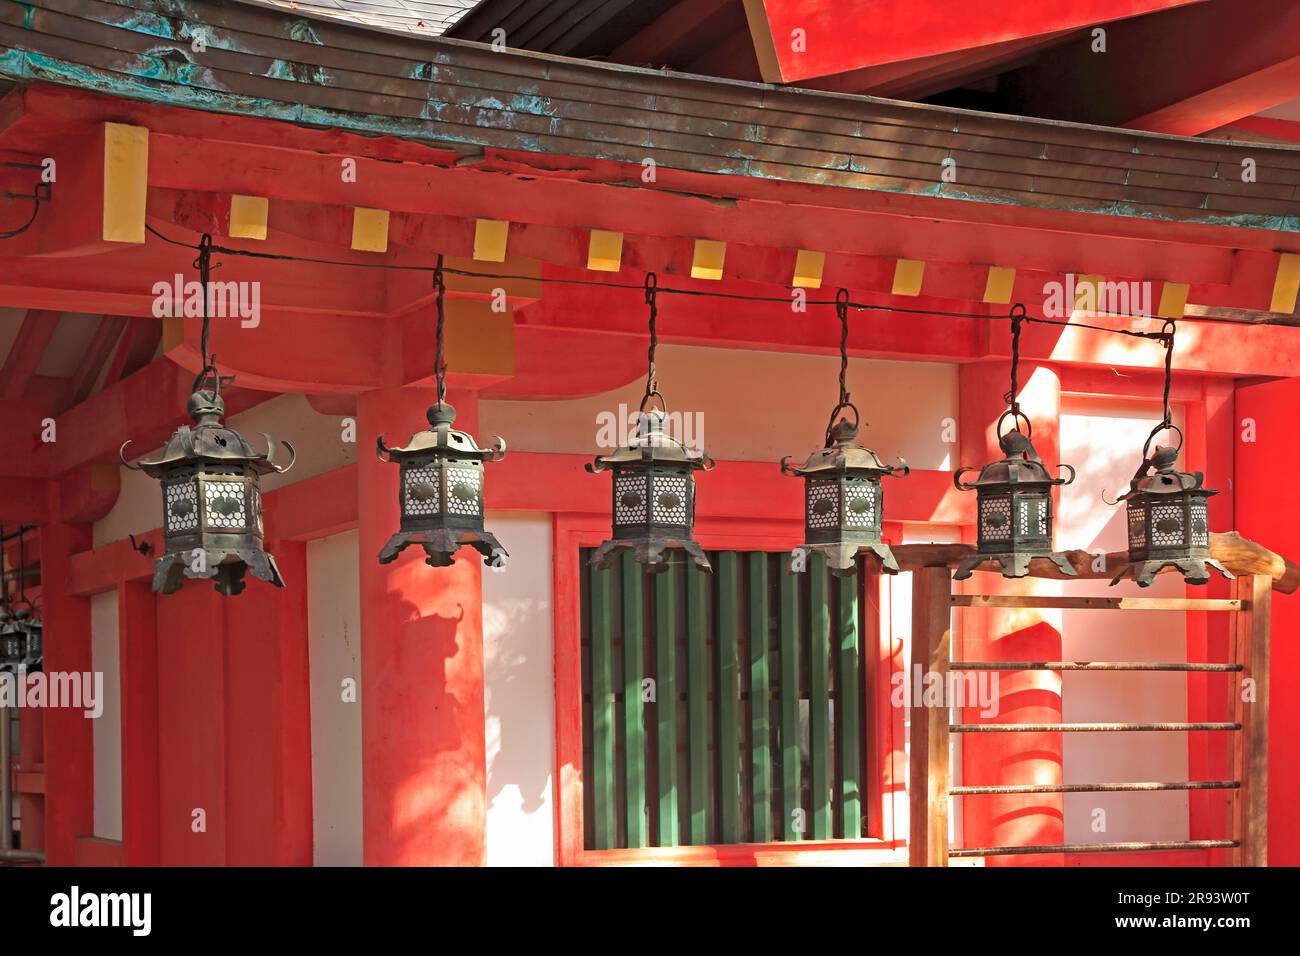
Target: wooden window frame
885 797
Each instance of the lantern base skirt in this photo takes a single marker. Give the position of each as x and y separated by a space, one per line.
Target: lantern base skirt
440 546
841 556
1014 564
649 552
1195 570
226 566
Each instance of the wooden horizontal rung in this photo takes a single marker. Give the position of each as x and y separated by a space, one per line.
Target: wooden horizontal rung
1088 666
1083 728
1095 787
1096 603
1139 846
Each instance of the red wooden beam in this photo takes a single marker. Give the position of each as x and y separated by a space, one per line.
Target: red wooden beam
27 351
101 347
843 35
135 349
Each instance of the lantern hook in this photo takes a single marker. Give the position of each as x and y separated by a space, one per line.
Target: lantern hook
651 379
140 547
270 453
381 450
1018 318
121 456
1017 416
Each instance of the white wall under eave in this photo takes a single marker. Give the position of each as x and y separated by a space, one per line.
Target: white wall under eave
107 731
519 686
334 648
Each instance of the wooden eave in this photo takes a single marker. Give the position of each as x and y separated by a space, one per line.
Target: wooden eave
460 95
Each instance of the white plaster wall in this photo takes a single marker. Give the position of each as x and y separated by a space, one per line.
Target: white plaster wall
107 730
317 438
757 406
518 656
1103 440
334 646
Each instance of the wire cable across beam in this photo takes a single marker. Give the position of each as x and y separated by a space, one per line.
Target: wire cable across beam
1093 666
1134 847
1085 728
1142 787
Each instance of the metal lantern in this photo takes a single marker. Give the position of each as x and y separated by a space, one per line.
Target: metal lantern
440 492
1014 508
1168 518
13 642
212 501
843 499
654 496
653 480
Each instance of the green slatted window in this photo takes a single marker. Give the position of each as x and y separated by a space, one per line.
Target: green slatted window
723 708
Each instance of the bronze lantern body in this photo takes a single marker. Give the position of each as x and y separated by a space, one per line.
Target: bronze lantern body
1014 508
440 492
1168 519
212 500
653 496
13 641
843 498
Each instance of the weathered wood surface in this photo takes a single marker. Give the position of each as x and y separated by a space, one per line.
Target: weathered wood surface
1239 555
262 62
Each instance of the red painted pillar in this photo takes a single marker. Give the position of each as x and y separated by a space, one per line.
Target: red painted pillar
1209 447
424 762
137 616
69 736
1011 635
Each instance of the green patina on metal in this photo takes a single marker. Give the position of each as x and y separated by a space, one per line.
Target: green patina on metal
303 31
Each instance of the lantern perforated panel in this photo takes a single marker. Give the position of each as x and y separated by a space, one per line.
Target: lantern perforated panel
1200 524
629 499
1033 518
1167 524
223 504
1137 528
181 499
995 519
860 504
256 496
823 504
420 486
464 491
670 493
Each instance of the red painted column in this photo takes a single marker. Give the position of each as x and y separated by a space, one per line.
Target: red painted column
137 616
1209 447
1011 635
69 735
422 717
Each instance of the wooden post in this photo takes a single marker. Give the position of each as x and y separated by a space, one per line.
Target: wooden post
1248 749
928 783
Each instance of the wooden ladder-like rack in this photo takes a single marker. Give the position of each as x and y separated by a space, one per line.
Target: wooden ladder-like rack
928 784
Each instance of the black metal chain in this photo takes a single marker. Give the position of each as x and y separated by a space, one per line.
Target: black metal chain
1012 397
1167 332
439 363
204 266
842 312
652 302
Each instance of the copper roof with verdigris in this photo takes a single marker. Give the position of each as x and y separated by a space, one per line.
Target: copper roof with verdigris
281 64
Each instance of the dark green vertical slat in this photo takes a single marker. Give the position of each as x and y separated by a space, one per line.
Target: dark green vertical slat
666 703
790 782
633 706
728 736
759 699
819 639
848 730
602 710
697 679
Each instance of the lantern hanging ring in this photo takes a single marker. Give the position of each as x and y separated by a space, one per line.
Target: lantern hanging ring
1017 416
1018 318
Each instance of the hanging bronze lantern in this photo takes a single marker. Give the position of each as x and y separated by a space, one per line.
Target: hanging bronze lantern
1168 510
212 500
13 642
843 498
653 481
210 477
1014 519
1014 509
440 491
440 485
